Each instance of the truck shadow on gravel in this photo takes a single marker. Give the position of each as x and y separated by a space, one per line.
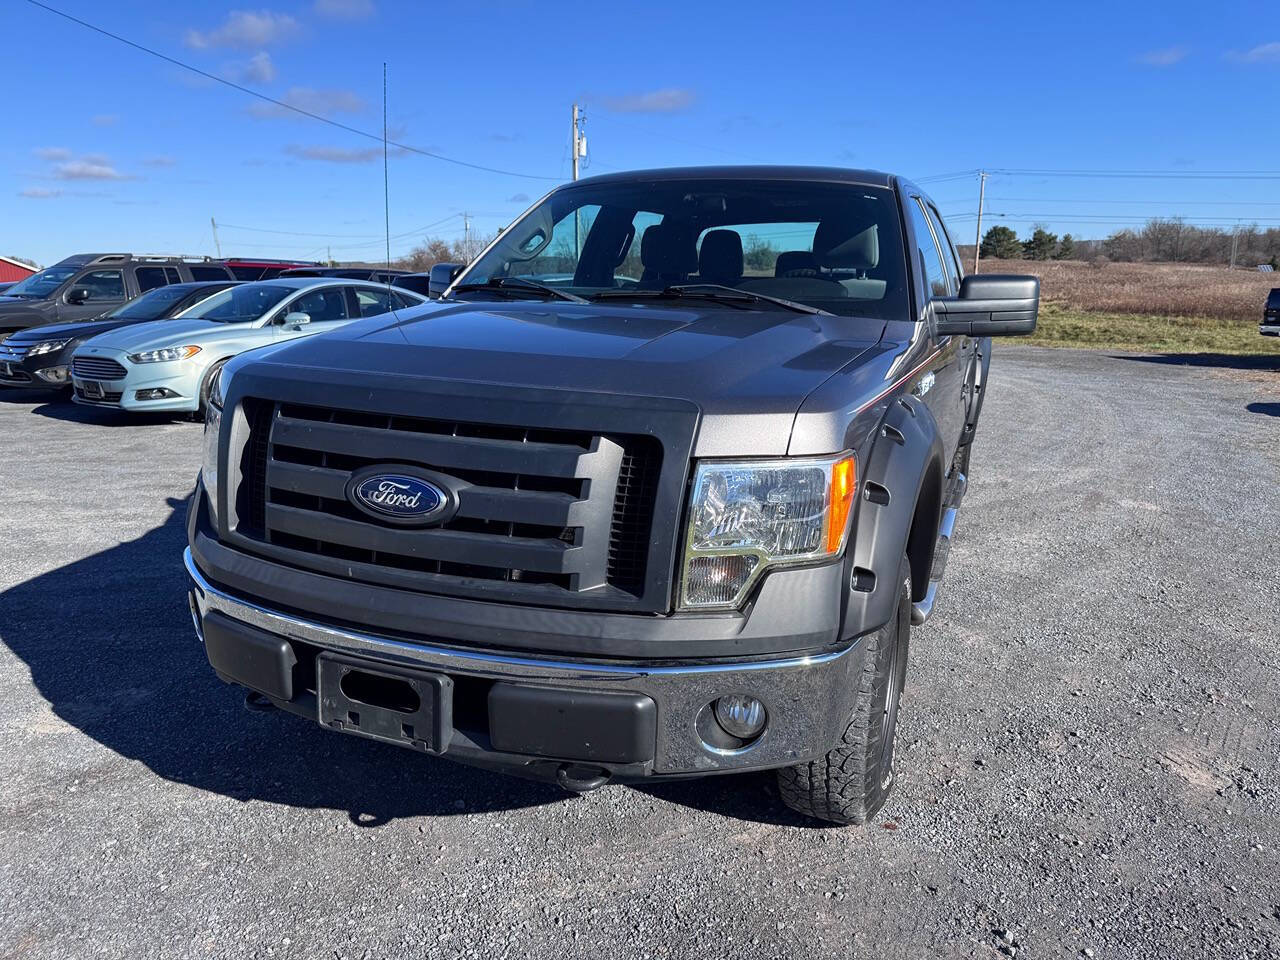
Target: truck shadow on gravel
1226 361
110 646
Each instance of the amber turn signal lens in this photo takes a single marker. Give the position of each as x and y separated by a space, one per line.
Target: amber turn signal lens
843 481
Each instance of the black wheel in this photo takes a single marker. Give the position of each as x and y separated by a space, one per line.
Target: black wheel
205 386
854 779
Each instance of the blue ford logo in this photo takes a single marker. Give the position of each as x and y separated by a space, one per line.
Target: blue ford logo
400 497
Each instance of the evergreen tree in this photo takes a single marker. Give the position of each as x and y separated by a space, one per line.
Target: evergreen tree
1041 245
1000 243
1066 248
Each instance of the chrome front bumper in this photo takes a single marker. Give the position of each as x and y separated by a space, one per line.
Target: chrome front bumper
808 699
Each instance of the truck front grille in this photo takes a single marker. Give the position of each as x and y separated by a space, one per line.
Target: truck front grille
97 368
545 515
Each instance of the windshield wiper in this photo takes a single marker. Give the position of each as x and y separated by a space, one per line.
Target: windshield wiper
709 291
498 283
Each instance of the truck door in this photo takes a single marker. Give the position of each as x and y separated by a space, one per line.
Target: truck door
943 381
976 353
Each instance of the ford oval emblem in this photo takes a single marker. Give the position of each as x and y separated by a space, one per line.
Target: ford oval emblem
399 496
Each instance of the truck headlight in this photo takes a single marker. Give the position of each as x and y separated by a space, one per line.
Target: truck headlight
747 516
212 425
168 353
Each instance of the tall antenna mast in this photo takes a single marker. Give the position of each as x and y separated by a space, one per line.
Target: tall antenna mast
216 245
386 177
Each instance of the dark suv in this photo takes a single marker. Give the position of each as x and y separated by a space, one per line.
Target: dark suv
89 284
657 489
1270 326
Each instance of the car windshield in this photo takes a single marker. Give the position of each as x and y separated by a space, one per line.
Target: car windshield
833 246
150 306
42 284
239 304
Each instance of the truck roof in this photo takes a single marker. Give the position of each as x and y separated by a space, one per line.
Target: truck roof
873 178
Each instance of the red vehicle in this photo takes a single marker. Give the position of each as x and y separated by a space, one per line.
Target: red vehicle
250 268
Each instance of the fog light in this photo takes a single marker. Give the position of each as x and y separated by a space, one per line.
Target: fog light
741 716
156 393
53 374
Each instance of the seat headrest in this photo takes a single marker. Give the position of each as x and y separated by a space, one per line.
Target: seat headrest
667 251
796 263
841 243
720 259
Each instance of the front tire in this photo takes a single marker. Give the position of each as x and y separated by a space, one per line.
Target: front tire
854 779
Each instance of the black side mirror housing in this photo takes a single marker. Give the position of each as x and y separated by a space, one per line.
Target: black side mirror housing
442 274
77 296
990 305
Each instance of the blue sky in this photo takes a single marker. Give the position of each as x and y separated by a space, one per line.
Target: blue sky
109 148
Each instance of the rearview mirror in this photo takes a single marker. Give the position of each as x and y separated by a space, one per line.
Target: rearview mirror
442 274
296 319
990 305
77 296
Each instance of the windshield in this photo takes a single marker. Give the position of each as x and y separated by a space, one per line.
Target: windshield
836 247
42 284
239 304
152 305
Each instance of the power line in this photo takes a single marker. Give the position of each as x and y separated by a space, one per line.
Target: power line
1144 174
296 233
283 104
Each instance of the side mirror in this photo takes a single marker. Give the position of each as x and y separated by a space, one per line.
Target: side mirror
990 305
77 296
296 319
442 274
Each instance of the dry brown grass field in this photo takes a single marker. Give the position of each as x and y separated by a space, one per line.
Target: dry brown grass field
1163 307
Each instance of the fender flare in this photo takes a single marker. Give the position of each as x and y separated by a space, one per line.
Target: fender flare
904 476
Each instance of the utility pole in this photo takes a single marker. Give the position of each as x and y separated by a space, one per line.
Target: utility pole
1235 240
579 140
216 245
466 236
982 196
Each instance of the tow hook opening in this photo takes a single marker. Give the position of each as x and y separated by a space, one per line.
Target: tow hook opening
256 702
579 779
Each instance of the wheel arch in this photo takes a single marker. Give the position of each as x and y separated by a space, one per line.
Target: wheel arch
899 509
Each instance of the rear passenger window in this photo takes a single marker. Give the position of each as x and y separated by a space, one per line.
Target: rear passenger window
927 256
149 278
949 262
172 275
208 273
374 302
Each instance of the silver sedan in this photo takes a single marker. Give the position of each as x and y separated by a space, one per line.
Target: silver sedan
169 366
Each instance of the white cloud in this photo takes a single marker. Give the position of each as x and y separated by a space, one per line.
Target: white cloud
323 102
666 100
245 29
258 69
1163 58
88 168
1263 53
39 193
106 119
52 154
344 9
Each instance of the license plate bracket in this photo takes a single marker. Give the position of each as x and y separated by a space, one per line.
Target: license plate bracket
92 388
401 705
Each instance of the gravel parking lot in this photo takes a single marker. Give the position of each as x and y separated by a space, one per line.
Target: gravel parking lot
1088 755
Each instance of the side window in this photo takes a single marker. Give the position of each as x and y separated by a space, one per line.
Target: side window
949 261
102 285
927 257
149 278
402 301
171 275
322 305
208 273
374 302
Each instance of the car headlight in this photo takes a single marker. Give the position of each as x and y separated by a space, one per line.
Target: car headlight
750 515
47 346
168 353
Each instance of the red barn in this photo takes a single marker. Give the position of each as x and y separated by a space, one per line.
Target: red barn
11 271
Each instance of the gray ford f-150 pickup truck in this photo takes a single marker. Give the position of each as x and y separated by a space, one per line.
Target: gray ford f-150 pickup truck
657 489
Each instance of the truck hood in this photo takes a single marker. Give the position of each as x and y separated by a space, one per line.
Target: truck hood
24 311
748 371
58 331
156 334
